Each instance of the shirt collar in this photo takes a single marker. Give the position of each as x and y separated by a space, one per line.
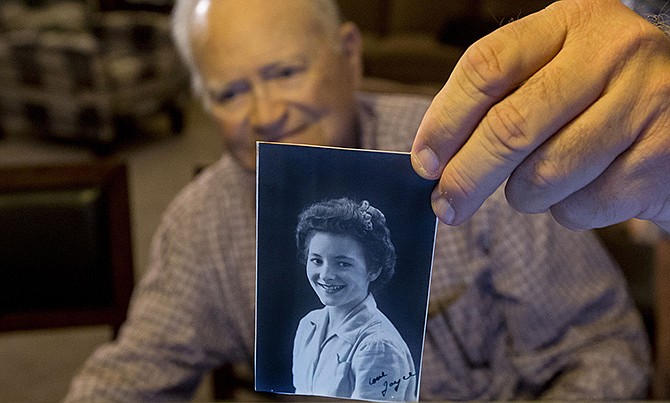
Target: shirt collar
357 319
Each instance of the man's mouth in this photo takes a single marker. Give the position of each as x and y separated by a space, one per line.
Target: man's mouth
279 136
331 288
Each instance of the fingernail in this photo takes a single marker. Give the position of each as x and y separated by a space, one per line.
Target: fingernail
428 162
444 210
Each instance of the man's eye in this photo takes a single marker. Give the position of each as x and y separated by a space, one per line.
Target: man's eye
285 72
224 97
230 93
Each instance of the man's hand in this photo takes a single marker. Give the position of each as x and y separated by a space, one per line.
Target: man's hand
572 104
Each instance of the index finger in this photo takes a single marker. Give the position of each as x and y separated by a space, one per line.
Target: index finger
515 85
488 71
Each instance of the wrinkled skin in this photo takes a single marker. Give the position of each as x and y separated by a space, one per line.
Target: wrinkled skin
570 105
270 72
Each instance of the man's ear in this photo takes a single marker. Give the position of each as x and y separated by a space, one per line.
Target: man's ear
352 49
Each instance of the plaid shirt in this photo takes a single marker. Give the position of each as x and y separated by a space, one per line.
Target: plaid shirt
656 11
519 307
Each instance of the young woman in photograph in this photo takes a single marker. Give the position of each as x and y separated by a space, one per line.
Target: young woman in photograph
349 348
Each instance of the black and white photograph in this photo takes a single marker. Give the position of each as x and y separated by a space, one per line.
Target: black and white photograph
344 255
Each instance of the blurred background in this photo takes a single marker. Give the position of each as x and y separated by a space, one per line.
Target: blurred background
97 82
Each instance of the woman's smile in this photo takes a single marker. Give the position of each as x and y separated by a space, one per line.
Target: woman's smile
331 288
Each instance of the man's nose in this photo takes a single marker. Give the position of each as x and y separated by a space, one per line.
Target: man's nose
268 113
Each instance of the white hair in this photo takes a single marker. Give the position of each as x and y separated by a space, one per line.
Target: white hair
326 11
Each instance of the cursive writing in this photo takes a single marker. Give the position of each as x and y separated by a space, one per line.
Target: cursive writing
396 383
376 379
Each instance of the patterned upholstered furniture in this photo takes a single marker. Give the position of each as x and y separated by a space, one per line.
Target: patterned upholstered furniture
71 72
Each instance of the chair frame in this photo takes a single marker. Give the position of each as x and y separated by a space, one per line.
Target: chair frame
661 383
112 176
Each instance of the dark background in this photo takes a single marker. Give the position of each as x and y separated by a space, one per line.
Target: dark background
294 177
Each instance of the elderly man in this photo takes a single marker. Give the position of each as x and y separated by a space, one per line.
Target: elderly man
519 308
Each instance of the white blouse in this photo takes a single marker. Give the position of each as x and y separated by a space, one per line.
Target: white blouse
364 358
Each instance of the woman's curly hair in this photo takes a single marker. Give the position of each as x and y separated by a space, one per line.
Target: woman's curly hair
359 220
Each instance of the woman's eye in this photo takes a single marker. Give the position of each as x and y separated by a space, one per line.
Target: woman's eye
317 261
344 265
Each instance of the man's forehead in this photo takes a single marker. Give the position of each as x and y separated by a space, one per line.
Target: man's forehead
252 54
250 29
231 42
249 13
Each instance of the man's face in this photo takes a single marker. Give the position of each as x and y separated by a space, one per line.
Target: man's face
271 73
